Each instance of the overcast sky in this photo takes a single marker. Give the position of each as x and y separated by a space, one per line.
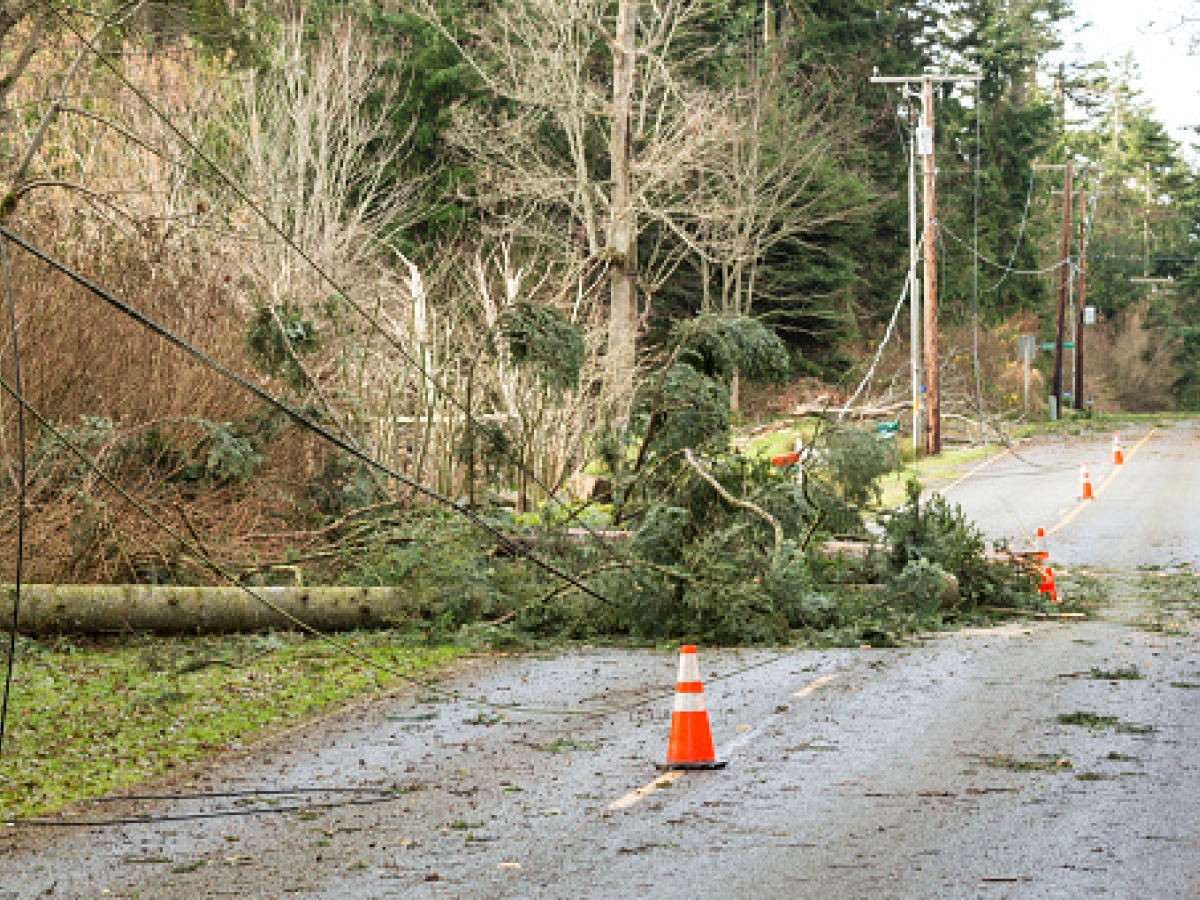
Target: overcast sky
1151 30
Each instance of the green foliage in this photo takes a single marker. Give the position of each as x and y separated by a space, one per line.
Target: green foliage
686 403
663 534
229 457
725 583
436 79
848 479
696 567
227 451
722 346
224 452
232 32
938 533
919 586
345 483
489 443
546 340
678 409
276 338
449 570
930 529
50 454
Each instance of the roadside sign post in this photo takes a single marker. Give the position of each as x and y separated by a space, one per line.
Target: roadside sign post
889 432
1026 350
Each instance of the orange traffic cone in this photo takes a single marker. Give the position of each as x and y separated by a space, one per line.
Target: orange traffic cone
1118 456
1047 585
1085 484
1039 546
690 745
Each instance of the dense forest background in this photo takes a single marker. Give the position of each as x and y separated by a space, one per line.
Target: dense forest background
503 250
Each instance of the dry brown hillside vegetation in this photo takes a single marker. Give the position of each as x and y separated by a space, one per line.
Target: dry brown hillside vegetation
114 192
246 210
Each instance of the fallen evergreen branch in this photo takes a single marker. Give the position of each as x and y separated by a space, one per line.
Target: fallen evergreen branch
615 566
740 504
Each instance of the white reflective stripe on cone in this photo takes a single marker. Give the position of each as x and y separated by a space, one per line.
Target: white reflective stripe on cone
689 703
689 667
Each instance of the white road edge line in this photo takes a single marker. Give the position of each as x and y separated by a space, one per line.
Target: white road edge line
979 468
664 780
816 685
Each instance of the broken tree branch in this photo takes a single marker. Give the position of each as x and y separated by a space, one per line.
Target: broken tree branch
740 504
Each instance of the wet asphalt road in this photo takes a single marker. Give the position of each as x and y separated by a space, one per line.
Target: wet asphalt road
934 771
1146 512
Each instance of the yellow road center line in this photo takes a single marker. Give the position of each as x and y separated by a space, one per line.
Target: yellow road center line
983 465
664 780
668 778
1070 517
815 686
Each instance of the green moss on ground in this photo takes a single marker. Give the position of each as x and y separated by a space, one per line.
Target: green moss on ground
87 717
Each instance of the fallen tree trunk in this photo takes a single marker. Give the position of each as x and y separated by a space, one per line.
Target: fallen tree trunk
834 411
162 609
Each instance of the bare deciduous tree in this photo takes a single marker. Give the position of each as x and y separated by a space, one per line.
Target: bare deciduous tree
784 173
598 129
307 147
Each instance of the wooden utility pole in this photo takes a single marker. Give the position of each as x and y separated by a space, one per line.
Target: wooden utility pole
622 239
933 404
1082 298
1064 282
914 300
925 147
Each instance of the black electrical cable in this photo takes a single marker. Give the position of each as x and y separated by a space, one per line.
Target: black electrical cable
296 416
302 420
21 500
248 792
226 576
241 194
383 796
386 795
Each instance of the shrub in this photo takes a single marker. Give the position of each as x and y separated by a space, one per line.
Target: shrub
276 337
934 531
919 587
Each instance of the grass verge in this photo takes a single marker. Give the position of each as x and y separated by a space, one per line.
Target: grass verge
89 716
